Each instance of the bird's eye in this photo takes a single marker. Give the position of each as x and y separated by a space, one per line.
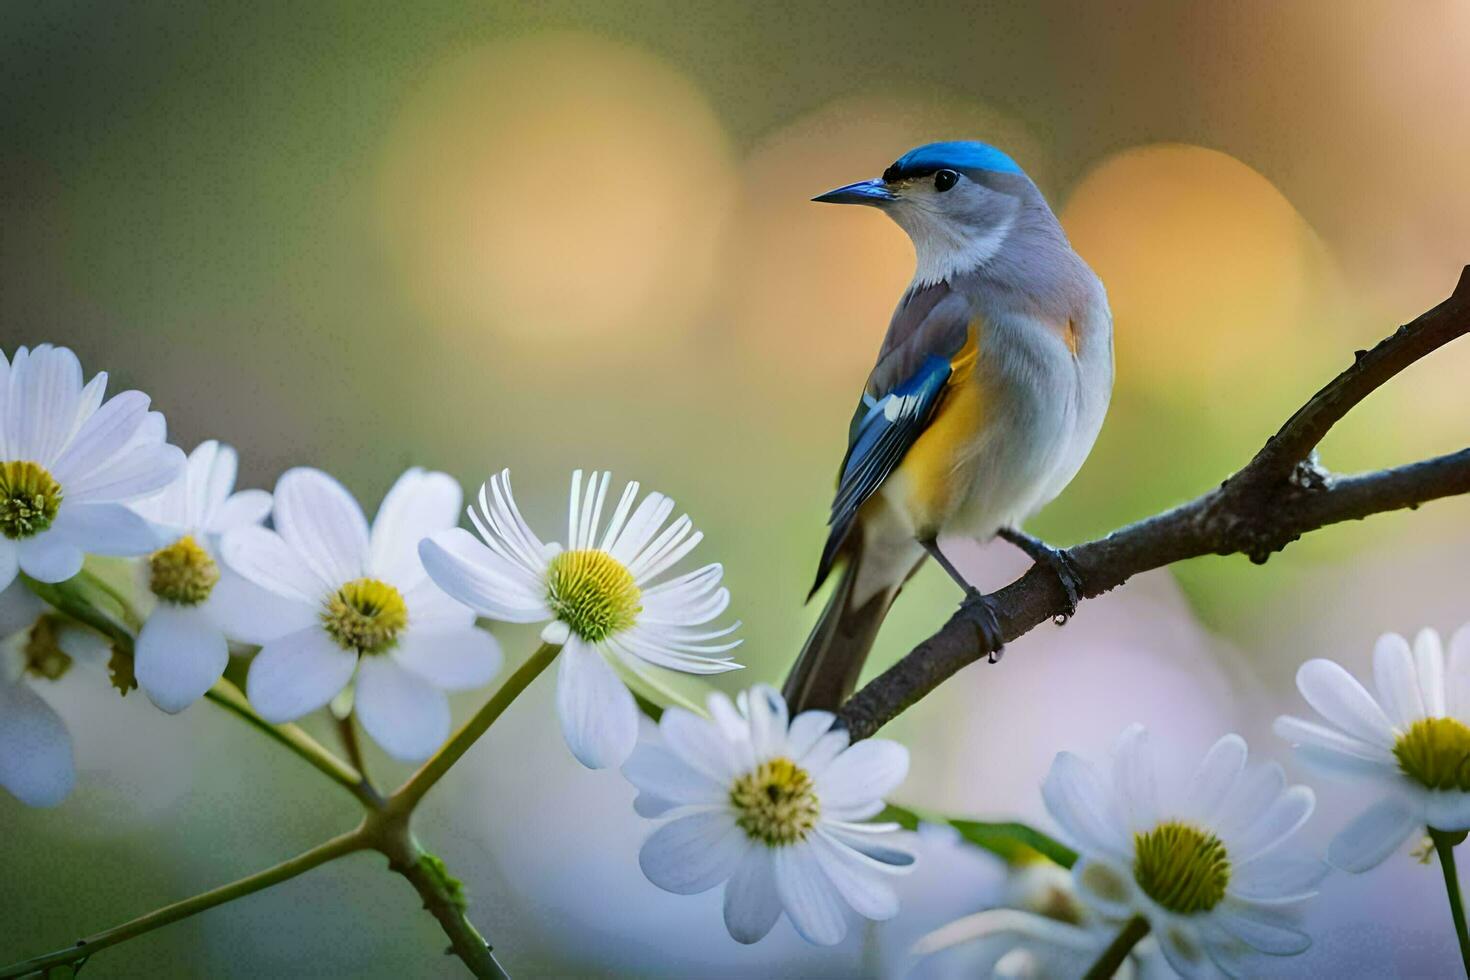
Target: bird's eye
945 179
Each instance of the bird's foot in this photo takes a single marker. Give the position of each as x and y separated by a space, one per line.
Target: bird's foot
979 609
1061 564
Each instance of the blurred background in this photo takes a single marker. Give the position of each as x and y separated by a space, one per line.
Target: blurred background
476 235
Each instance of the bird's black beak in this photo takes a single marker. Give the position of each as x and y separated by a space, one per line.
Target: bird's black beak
874 192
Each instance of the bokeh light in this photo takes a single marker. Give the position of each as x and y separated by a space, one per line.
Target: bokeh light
554 188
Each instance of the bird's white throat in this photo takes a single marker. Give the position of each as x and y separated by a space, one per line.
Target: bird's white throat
943 250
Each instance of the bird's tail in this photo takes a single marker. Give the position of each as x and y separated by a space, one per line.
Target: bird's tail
826 672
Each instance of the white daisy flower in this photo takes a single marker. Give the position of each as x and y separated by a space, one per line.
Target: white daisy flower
68 460
1207 863
773 810
360 604
183 648
37 647
1411 743
600 597
1006 943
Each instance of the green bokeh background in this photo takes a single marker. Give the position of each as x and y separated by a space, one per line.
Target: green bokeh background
192 197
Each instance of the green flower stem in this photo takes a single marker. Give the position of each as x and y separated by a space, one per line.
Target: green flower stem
409 794
1444 845
1107 964
84 948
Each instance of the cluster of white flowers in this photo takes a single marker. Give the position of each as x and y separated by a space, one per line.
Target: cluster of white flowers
342 612
378 621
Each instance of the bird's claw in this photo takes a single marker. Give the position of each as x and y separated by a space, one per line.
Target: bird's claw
979 609
1058 560
1070 577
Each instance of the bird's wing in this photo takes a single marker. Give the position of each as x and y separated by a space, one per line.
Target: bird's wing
902 394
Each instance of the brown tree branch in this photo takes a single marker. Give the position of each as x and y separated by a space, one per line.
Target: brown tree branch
1281 494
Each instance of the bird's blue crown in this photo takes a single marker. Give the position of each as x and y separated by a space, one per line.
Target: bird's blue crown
951 155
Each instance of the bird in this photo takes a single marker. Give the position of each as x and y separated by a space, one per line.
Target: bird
987 395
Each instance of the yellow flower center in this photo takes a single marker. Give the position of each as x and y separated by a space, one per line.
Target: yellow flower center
365 615
182 573
1182 868
593 593
43 654
29 498
1435 752
774 803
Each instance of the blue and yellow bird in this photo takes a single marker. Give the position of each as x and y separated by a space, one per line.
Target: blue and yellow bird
987 395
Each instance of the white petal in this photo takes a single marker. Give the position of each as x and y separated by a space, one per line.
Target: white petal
263 557
240 510
405 714
247 613
805 729
297 673
704 745
1374 835
106 529
211 472
752 904
599 719
1281 819
1429 665
35 748
1311 734
48 558
180 654
855 880
1255 791
1261 929
9 563
1078 801
46 390
101 436
879 841
1288 875
1133 779
659 773
815 908
132 474
866 772
1215 778
455 661
418 505
322 522
692 854
1396 680
487 583
1337 696
1457 683
768 720
825 749
652 511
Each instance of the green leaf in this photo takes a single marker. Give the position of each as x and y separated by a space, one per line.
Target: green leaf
1009 840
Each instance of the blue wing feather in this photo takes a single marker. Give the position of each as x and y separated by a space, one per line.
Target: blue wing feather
879 440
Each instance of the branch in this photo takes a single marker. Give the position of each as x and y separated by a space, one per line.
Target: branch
1274 499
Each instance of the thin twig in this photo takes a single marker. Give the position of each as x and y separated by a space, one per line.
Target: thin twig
1277 497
